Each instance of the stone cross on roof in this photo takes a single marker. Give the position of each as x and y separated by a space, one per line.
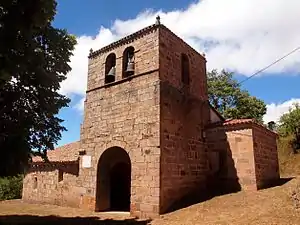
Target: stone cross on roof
157 20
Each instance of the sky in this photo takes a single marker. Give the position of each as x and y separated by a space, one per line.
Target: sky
242 36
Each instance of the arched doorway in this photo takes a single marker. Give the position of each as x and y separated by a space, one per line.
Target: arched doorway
120 187
113 181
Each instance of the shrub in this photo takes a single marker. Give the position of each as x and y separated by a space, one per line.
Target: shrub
11 187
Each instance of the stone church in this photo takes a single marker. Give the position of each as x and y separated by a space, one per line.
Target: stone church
149 135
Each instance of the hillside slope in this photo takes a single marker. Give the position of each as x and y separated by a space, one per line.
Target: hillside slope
277 205
289 163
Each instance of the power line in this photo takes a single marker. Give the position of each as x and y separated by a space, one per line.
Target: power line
273 63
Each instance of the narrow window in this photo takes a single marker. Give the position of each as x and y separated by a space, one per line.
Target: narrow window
110 68
185 69
128 62
60 175
35 183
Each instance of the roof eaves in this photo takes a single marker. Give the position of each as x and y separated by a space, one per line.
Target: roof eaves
125 40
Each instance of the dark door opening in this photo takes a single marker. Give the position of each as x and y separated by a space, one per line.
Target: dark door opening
120 179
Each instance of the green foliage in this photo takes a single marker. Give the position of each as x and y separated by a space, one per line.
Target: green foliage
11 187
272 126
34 59
289 125
226 95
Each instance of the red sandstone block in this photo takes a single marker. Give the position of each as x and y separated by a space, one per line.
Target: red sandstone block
146 208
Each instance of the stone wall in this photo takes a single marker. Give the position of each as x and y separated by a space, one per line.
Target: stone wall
242 166
235 159
126 114
184 113
266 156
57 182
52 184
146 58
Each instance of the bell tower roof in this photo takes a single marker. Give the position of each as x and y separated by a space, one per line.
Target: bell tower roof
136 35
128 39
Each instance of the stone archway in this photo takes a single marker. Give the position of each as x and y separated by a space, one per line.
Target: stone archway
113 180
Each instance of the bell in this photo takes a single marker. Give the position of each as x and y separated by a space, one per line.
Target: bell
130 67
112 71
110 77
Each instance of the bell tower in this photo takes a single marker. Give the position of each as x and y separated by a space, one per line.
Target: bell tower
146 95
122 111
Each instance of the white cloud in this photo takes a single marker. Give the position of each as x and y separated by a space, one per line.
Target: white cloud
80 105
240 35
76 81
275 111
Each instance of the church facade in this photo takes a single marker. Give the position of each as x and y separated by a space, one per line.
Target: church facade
149 136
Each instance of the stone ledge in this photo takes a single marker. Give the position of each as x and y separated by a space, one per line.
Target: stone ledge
122 81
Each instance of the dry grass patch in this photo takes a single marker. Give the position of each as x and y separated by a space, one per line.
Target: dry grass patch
277 205
270 206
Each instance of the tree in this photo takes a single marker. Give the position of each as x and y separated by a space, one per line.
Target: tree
34 59
289 122
271 125
225 94
289 125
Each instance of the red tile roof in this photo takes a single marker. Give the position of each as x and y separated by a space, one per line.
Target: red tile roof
231 122
238 121
234 122
65 153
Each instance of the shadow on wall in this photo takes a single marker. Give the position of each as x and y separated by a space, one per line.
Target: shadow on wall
29 219
222 175
276 183
71 167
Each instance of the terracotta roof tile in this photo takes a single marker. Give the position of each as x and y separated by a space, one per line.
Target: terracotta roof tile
231 122
234 122
65 153
237 121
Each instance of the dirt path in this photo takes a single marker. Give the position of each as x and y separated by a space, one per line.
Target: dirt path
18 212
270 206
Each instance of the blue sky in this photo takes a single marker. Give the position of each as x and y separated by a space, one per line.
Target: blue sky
243 36
87 18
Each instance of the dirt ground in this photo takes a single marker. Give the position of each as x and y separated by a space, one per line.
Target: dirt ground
277 205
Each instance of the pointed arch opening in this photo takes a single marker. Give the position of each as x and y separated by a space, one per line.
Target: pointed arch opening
113 181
